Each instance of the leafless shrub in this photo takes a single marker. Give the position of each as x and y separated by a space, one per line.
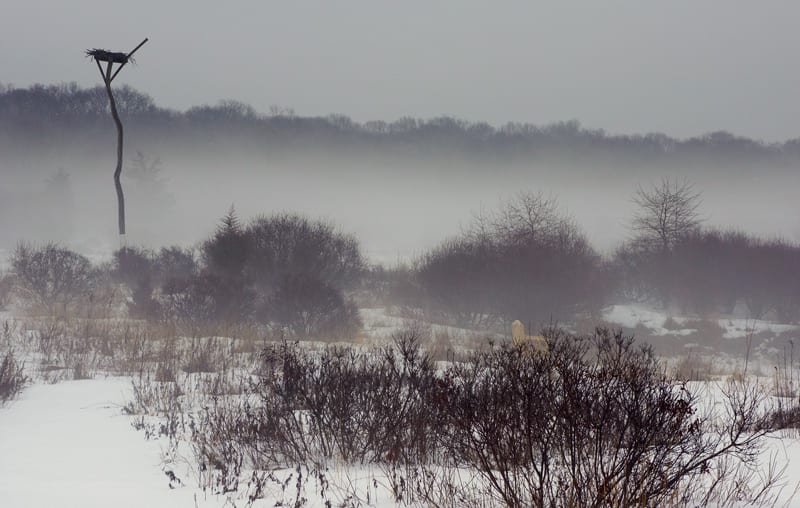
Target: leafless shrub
786 416
154 398
389 286
568 430
51 278
205 355
104 302
80 370
50 335
283 270
165 373
342 404
6 286
199 306
440 347
148 274
693 367
309 308
136 269
80 348
595 422
289 245
666 213
8 330
785 376
786 411
708 271
526 261
12 377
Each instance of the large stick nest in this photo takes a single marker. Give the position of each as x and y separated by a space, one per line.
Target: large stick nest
102 55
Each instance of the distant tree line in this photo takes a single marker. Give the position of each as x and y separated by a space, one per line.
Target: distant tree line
47 116
527 260
286 274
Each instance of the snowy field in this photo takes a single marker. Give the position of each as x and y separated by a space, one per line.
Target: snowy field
631 316
73 444
70 444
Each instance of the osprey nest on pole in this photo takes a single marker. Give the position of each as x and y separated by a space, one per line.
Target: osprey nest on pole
108 74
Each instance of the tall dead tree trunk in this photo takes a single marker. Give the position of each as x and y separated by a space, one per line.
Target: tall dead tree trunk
110 58
118 171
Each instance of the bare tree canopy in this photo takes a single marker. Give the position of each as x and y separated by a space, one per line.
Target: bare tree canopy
529 218
527 259
666 213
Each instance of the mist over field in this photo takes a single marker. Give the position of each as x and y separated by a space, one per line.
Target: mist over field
402 186
667 84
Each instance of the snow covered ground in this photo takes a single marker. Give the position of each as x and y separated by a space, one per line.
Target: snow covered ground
632 315
737 328
71 444
380 324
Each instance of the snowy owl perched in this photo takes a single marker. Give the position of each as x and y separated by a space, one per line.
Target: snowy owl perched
537 343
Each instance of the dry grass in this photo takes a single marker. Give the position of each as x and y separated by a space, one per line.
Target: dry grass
12 377
6 285
186 385
693 367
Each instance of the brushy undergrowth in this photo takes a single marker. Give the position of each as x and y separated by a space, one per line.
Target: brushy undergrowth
12 377
595 422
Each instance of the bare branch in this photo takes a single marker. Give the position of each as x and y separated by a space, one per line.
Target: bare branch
667 213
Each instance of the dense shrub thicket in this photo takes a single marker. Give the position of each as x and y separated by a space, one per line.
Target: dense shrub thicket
527 261
12 378
300 276
61 115
710 271
149 275
51 278
6 287
592 423
285 271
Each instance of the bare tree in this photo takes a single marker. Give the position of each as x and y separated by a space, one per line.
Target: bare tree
667 213
528 218
525 260
51 277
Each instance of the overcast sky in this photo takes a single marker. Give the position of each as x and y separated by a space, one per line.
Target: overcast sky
680 67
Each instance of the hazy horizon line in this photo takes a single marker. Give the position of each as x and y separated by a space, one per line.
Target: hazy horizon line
284 111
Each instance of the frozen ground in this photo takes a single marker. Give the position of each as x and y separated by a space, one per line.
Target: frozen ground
69 445
737 328
629 316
